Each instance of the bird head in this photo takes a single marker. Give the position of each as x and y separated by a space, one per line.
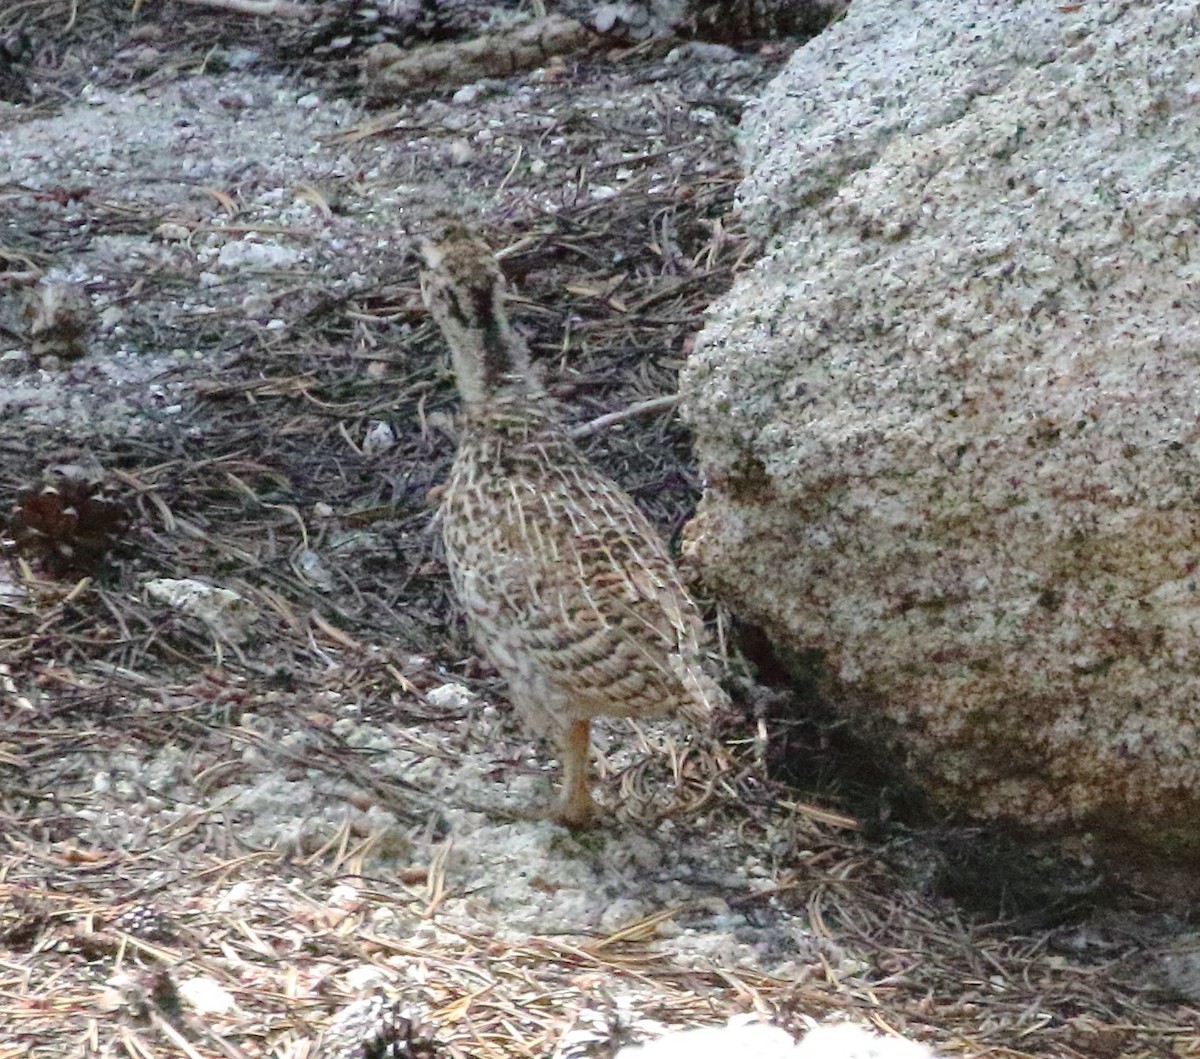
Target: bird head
463 289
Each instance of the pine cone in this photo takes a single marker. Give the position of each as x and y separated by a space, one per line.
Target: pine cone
375 1028
344 29
145 922
69 524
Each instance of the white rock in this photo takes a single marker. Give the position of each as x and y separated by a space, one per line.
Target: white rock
248 254
309 565
366 977
847 1041
748 1041
207 996
461 152
449 697
110 316
226 613
169 232
346 897
379 438
241 58
701 51
950 418
237 895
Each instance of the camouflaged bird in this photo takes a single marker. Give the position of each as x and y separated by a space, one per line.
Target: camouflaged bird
567 588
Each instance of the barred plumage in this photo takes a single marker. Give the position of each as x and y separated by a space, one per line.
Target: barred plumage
566 586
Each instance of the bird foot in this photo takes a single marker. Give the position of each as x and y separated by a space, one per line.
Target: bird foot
577 811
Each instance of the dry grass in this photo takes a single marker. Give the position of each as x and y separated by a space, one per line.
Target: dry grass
99 942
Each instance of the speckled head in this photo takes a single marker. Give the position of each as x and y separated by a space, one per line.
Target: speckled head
463 288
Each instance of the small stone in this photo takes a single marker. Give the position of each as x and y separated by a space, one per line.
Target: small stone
236 100
247 254
449 697
380 56
366 977
379 438
227 614
461 152
242 58
110 317
348 897
145 33
308 565
702 51
207 996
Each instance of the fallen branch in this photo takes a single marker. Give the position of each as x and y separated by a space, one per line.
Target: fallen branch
391 73
258 8
642 408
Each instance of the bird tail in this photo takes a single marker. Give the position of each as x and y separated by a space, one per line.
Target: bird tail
704 695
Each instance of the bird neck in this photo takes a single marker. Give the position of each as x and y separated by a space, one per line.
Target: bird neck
490 358
515 413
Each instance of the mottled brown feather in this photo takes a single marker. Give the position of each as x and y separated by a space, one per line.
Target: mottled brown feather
566 586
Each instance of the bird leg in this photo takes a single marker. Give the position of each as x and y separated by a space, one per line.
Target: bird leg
576 807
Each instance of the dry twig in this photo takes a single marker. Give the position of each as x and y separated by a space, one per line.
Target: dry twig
258 8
